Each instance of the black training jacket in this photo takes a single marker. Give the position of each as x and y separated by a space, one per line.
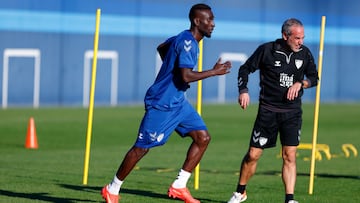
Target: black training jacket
279 68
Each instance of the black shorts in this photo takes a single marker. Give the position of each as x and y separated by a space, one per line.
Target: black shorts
268 124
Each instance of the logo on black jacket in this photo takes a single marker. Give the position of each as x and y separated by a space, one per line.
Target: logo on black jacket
298 63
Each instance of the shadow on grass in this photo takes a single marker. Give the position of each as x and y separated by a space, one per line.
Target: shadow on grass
41 196
323 175
123 190
139 192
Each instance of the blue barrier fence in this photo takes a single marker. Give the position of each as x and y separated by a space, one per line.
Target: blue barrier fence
61 32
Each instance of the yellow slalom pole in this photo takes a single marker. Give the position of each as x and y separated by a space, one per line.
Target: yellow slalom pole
317 103
198 108
91 104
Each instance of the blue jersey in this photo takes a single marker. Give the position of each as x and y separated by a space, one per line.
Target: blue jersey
168 90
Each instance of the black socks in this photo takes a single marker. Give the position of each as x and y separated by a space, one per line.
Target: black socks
241 189
289 197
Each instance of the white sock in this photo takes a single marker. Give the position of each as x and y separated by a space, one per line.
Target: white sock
181 179
114 186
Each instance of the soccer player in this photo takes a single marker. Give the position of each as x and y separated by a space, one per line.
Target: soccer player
283 63
167 109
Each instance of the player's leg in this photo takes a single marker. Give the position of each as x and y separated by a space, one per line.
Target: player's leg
155 129
247 170
248 164
110 192
290 136
289 168
132 157
201 140
178 189
264 135
192 126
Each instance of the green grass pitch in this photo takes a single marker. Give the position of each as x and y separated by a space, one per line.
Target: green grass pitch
54 171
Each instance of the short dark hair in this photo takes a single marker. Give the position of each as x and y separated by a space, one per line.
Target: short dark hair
288 23
195 8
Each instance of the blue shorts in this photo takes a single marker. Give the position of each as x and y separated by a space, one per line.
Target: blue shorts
157 125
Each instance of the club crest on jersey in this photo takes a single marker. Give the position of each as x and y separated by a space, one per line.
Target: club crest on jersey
187 45
298 63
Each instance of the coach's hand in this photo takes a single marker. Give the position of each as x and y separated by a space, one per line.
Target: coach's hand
293 91
244 100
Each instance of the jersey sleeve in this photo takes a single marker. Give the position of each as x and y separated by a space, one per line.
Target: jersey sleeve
311 72
250 66
187 49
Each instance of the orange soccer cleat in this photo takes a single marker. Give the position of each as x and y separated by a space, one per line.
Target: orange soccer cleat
109 198
181 193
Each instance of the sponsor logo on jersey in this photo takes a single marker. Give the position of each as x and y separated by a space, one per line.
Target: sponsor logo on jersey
286 80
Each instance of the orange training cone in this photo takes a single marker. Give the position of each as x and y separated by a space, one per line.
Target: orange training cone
31 139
